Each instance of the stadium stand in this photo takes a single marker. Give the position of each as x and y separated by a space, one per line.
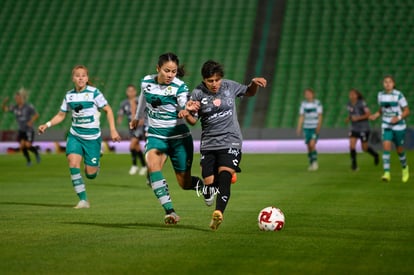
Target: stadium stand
119 41
333 46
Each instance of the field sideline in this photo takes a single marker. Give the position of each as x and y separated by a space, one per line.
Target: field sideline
337 221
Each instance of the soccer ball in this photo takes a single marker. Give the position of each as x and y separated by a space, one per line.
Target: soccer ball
271 219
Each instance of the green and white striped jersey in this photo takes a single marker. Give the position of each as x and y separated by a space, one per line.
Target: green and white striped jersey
162 104
310 111
392 104
85 107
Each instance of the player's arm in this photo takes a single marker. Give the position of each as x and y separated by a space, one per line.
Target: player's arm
375 115
366 115
111 121
4 105
190 118
139 118
33 119
254 85
404 114
320 118
58 118
300 123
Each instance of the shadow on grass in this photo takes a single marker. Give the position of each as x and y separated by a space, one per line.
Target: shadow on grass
37 204
140 225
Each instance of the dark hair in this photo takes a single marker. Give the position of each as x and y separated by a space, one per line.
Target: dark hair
390 77
131 86
358 93
166 57
210 68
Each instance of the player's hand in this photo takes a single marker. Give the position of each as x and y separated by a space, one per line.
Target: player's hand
42 128
373 116
183 114
354 118
29 123
133 124
260 81
115 136
192 106
395 120
141 122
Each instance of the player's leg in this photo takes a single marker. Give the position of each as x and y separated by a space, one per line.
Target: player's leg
228 162
156 157
29 144
399 138
22 144
313 154
352 151
367 148
134 154
74 154
143 170
181 154
92 154
387 137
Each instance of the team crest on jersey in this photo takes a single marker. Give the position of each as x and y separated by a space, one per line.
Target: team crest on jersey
227 93
169 91
86 96
230 102
217 102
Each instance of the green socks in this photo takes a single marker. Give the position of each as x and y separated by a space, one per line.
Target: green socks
313 156
160 188
78 183
403 159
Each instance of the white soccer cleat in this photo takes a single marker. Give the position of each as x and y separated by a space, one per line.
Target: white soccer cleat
143 171
133 170
314 166
82 205
171 218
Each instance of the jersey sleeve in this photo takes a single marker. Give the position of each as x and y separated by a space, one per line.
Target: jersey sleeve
140 113
32 110
121 111
319 108
65 106
237 88
402 101
182 95
301 109
100 100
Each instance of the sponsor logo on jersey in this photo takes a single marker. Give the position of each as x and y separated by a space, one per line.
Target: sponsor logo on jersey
220 115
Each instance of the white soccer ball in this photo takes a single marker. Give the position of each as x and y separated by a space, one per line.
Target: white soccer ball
271 219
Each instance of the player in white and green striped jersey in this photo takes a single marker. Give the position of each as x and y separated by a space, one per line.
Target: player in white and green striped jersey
310 120
163 100
84 138
394 109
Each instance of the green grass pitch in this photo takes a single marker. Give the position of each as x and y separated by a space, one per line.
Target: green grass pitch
337 221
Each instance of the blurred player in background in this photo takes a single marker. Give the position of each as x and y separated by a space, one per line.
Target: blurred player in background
310 120
84 138
394 109
128 108
221 138
358 114
163 100
25 115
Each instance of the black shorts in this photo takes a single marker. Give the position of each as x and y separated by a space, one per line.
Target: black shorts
26 135
362 135
211 160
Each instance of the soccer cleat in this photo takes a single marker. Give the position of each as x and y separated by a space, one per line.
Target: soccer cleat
216 220
29 163
82 204
405 174
171 218
386 176
234 178
133 170
143 171
208 192
376 160
313 166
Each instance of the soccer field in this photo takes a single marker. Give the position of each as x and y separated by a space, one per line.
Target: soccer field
337 221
